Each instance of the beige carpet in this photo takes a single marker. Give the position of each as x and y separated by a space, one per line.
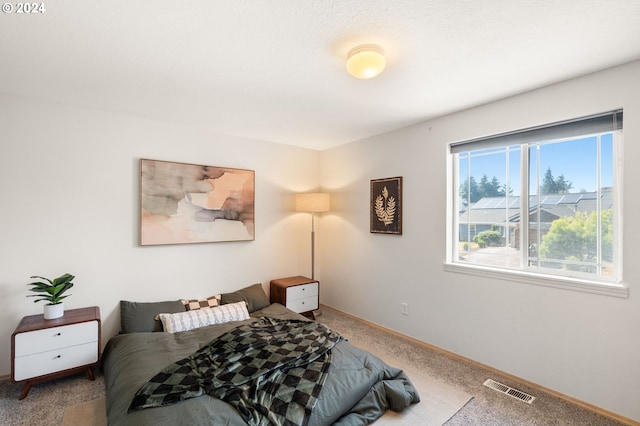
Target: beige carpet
439 402
90 413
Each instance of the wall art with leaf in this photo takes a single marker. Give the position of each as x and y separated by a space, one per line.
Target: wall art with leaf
386 206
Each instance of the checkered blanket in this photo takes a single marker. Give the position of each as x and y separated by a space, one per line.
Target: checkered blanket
271 370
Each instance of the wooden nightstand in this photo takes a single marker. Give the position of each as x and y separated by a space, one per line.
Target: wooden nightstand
42 349
300 294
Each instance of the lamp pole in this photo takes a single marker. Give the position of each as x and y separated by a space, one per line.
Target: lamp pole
313 246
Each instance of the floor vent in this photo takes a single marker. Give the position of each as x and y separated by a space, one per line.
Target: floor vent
514 393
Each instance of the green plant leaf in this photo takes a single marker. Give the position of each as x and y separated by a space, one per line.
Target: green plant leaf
63 279
46 279
38 288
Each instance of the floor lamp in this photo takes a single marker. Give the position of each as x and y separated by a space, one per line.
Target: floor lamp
313 203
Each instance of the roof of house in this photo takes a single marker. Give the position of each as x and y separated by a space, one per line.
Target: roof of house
495 210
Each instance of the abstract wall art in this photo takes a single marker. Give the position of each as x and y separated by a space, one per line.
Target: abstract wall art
188 203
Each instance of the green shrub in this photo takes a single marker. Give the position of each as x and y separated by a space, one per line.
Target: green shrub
489 238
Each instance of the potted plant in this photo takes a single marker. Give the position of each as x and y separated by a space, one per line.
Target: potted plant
52 292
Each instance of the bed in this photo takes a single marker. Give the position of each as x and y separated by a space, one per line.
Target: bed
355 389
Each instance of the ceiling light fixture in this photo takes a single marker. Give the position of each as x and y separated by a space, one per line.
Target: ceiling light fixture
366 61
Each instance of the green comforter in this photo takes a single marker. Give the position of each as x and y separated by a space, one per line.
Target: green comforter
358 389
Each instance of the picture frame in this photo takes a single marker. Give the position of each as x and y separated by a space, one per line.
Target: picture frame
182 203
386 206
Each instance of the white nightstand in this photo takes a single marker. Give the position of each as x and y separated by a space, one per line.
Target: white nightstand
300 294
42 349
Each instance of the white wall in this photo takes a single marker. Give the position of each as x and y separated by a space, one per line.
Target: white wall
69 182
583 345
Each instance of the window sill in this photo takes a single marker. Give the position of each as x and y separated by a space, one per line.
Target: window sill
614 290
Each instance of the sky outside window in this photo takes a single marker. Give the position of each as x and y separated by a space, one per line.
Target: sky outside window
574 159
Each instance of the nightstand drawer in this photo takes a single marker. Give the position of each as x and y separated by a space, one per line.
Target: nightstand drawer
303 305
39 364
302 291
48 339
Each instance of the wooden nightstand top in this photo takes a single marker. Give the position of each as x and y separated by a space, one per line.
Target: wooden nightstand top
71 316
292 281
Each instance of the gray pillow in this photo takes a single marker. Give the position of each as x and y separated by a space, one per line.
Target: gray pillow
140 317
254 296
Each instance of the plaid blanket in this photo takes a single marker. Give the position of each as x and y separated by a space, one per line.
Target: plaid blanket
271 370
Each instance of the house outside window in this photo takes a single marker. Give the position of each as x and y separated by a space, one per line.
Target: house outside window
541 201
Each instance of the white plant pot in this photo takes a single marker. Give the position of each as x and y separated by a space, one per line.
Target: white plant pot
53 311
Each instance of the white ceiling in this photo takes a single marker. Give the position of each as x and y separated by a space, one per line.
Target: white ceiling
274 70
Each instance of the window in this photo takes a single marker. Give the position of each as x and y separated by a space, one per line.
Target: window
541 201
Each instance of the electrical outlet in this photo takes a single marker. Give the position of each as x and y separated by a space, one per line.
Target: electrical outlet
405 309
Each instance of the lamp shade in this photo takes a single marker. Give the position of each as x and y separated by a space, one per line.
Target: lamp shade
313 202
366 61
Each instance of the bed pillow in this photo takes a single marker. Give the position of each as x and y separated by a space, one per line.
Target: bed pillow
197 318
209 302
139 317
254 296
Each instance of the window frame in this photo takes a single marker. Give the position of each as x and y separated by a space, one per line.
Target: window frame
598 284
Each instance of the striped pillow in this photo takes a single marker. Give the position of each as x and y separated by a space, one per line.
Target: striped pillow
183 321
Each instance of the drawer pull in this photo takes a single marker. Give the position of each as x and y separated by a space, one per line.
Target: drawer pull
58 334
57 356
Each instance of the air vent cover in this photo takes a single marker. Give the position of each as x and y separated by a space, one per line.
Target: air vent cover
514 393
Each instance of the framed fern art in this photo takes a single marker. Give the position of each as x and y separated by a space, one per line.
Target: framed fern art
386 206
